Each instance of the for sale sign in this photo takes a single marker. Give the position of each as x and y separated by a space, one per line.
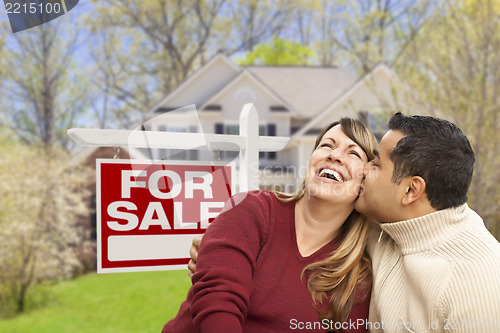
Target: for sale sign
148 213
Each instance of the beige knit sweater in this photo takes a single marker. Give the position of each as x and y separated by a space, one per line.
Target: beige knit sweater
436 273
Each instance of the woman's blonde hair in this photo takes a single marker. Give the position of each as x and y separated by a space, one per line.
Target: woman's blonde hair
336 277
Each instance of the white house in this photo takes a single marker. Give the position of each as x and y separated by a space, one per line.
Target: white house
292 101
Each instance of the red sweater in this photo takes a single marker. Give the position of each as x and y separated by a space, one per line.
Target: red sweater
248 274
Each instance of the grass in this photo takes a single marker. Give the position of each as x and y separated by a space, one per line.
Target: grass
121 302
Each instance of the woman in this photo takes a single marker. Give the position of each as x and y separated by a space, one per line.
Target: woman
277 262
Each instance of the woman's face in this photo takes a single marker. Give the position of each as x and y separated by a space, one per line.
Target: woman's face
335 169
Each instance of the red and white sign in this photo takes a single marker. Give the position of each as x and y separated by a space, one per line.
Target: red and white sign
149 212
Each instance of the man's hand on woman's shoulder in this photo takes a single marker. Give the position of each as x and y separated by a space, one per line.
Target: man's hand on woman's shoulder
193 252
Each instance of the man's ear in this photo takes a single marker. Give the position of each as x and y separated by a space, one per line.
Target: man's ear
415 189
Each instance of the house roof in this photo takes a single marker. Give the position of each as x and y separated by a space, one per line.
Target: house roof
342 97
248 74
196 75
308 90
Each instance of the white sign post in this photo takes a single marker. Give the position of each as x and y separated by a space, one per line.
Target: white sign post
248 142
125 222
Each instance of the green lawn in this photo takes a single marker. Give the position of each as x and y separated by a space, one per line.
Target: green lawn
121 302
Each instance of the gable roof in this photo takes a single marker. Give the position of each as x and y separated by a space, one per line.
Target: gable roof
219 58
247 74
381 68
308 90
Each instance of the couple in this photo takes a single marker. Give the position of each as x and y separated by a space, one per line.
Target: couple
278 263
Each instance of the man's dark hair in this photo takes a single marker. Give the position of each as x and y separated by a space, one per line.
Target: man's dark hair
439 152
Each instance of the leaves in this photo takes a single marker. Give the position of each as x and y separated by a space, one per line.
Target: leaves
278 52
43 197
454 70
38 81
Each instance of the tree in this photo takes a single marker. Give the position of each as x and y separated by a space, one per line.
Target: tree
143 50
453 69
246 23
43 195
46 95
278 52
360 33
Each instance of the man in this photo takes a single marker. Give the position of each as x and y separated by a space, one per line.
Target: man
436 267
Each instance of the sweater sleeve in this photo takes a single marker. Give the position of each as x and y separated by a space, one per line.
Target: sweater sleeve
471 299
223 280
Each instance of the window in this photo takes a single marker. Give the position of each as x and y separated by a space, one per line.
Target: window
213 107
278 108
376 121
271 131
219 128
176 154
245 95
234 129
268 130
